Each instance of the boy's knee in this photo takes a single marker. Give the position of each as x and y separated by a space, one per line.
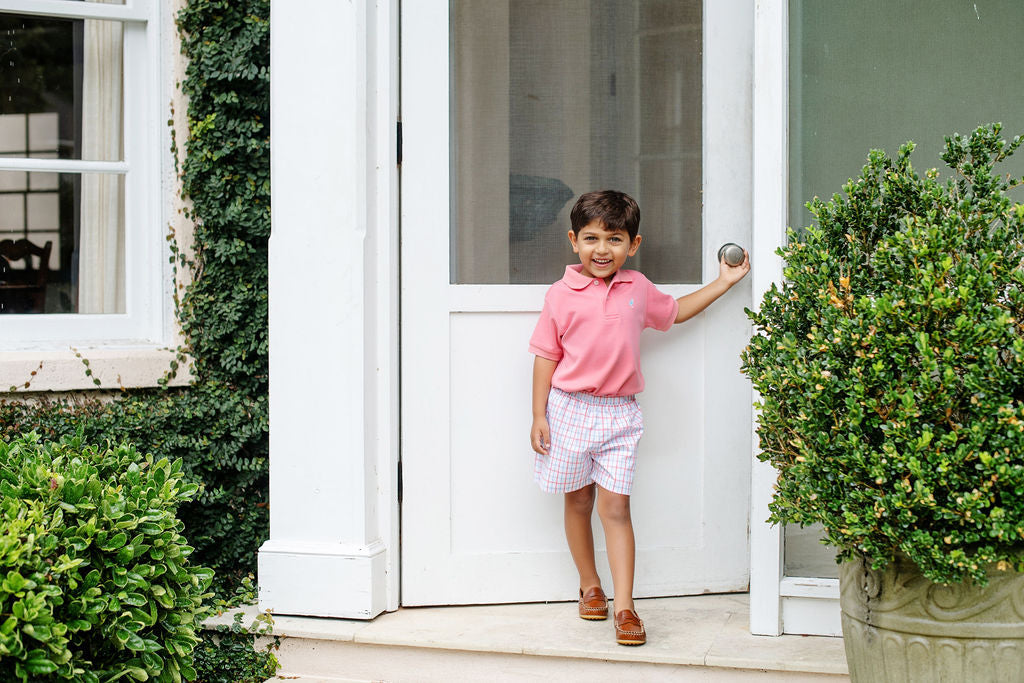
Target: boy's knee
581 500
613 507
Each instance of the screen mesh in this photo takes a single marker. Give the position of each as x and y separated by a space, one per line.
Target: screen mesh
554 99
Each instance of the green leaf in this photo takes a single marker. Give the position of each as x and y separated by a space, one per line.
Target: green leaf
134 599
14 582
38 664
114 542
40 632
135 642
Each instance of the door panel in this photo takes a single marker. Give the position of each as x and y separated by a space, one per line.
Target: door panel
485 201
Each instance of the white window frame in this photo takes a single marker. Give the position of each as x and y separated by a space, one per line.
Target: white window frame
778 603
134 348
143 322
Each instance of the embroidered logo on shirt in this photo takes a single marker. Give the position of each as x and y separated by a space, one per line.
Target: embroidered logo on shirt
631 303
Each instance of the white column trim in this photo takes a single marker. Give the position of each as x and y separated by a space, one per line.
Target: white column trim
383 215
323 579
769 221
333 548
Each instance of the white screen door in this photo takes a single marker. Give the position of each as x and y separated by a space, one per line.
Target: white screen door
511 109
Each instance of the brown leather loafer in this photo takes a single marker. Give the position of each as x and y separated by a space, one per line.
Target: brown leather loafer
629 630
593 604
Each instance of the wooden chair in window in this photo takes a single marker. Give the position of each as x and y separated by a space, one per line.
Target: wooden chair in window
23 290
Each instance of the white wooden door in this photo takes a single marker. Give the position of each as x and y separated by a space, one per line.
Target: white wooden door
475 527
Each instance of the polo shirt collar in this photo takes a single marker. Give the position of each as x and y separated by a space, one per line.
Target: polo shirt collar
575 278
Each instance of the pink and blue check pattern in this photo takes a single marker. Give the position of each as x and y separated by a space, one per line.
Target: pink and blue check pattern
593 439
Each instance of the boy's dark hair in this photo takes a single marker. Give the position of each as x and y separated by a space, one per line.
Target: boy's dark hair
617 210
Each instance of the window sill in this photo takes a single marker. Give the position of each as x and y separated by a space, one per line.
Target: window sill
111 368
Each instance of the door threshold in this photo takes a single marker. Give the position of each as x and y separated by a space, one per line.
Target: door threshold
699 635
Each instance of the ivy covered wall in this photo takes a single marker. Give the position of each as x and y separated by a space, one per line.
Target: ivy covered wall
218 425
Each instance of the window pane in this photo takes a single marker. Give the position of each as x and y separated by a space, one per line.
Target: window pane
551 99
61 81
877 73
78 221
806 556
874 74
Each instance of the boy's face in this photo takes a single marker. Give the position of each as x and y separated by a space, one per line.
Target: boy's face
602 252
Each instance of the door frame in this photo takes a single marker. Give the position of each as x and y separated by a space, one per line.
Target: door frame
778 603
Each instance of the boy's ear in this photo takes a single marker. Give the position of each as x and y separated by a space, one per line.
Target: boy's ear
634 245
572 240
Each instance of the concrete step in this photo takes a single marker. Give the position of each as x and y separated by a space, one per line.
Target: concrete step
697 638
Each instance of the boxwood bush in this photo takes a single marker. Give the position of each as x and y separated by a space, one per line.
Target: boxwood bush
890 365
95 578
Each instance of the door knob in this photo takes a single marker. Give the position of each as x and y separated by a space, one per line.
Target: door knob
731 253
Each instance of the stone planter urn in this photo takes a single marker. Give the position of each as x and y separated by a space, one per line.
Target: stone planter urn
900 627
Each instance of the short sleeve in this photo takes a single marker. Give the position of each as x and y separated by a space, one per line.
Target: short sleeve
546 340
661 308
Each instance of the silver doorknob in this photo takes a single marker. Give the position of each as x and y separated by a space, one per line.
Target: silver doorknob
731 253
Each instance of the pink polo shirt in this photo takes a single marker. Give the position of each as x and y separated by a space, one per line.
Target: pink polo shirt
593 330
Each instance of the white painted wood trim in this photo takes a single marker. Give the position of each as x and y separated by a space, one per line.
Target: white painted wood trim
769 221
147 278
384 208
131 11
333 330
327 579
148 319
25 332
812 616
800 587
425 211
810 606
62 165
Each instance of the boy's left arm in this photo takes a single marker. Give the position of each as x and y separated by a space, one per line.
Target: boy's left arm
695 302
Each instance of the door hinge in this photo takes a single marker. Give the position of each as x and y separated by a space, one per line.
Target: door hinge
399 481
398 142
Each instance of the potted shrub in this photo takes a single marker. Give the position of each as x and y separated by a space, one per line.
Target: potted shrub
890 368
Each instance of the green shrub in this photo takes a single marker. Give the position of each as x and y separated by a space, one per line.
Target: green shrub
219 435
96 579
890 365
229 655
231 658
219 425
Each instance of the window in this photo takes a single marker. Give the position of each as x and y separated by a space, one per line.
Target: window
860 75
877 73
554 99
80 195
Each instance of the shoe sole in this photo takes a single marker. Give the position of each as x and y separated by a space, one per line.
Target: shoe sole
631 642
594 617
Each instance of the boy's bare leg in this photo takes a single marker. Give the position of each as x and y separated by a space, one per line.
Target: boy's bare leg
613 508
579 508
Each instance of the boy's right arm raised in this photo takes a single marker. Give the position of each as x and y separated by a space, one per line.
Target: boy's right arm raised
540 434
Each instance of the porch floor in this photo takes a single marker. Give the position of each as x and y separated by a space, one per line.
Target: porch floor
696 638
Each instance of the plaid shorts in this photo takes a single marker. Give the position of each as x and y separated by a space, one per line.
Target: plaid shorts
593 439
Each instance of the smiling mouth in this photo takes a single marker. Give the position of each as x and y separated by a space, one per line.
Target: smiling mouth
601 263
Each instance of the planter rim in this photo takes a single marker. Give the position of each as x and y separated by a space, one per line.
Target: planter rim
899 598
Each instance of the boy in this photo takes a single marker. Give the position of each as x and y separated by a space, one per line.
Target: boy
586 422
